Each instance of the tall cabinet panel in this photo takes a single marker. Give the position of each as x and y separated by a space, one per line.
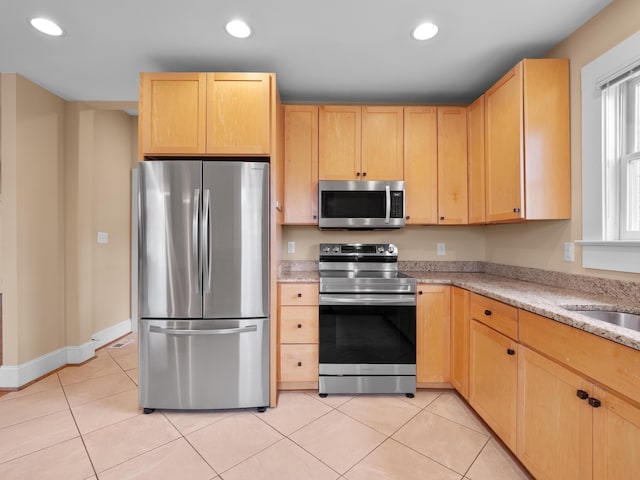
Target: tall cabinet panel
340 141
475 161
301 164
421 165
452 166
382 143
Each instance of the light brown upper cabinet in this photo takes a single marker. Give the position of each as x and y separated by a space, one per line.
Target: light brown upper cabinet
205 113
527 143
301 164
421 165
475 161
452 166
172 113
360 143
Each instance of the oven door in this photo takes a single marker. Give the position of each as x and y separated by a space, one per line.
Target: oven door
367 334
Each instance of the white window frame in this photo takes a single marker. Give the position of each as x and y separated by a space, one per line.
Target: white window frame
597 252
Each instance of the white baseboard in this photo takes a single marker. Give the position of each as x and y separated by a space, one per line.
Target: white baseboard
15 376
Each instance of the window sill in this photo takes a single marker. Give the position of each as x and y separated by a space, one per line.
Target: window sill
619 256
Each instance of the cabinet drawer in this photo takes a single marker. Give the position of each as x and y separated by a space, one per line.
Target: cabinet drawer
298 324
497 315
609 363
298 363
298 294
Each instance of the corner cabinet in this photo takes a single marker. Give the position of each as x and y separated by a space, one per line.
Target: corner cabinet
205 113
527 150
460 340
452 166
475 161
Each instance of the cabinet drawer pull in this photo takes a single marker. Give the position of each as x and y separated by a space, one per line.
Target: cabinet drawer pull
594 402
487 312
582 395
299 295
511 351
299 325
299 364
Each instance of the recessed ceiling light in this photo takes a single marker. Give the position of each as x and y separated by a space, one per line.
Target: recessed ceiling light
238 29
46 26
425 31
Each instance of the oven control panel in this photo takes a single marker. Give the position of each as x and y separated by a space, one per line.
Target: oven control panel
383 250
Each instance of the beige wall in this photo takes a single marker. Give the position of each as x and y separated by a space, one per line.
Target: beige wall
414 243
33 218
535 244
540 245
65 176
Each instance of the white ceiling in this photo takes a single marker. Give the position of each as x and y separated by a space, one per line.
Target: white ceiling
322 51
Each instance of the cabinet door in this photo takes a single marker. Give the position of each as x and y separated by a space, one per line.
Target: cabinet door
172 113
460 340
475 160
238 113
301 164
452 166
433 334
616 438
421 165
493 380
504 148
554 424
340 134
382 143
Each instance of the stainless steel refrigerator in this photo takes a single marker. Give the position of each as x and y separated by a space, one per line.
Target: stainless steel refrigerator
203 284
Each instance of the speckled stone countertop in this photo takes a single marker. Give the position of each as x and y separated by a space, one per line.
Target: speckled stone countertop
546 300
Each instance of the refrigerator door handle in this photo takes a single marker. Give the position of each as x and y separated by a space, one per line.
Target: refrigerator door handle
195 251
206 240
213 331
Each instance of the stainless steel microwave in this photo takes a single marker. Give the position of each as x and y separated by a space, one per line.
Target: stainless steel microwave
361 204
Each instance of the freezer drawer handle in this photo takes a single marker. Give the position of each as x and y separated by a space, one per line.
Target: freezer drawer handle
215 331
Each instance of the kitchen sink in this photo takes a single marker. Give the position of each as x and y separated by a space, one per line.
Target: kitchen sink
622 319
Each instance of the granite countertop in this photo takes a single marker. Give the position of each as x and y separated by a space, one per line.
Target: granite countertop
548 301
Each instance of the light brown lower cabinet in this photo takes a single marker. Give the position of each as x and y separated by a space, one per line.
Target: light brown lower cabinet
298 336
571 428
433 333
493 380
460 340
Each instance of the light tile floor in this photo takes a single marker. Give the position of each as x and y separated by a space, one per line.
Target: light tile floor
83 422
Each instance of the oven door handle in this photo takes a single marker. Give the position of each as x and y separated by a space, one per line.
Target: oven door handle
359 299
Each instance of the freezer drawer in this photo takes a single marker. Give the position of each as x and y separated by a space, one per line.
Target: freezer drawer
204 364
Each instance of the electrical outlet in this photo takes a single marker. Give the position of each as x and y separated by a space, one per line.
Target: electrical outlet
291 247
568 252
442 249
103 237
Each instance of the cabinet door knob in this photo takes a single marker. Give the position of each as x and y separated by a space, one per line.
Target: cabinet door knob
364 174
516 210
441 218
299 325
419 292
594 402
487 312
408 217
299 364
315 217
357 174
582 395
511 351
299 295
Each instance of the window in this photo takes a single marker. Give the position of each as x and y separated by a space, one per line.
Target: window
621 155
611 159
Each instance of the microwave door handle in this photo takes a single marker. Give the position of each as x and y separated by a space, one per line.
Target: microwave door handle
388 213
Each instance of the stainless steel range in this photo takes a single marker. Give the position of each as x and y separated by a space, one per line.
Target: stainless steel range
367 321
